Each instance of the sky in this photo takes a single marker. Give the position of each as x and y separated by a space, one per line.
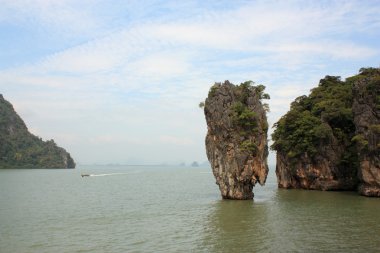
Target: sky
120 81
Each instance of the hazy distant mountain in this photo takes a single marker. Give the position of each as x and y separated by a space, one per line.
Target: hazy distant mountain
194 164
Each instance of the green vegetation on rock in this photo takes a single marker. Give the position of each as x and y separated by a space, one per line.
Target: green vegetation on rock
322 118
212 90
375 128
249 146
360 141
243 117
336 123
21 149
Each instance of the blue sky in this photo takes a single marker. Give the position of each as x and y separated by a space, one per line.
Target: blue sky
120 81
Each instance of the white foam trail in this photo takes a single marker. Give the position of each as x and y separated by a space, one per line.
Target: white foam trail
109 174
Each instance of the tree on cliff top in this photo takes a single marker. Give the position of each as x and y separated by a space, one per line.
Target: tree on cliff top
314 120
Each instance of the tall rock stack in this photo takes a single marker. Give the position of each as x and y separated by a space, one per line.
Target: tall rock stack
236 141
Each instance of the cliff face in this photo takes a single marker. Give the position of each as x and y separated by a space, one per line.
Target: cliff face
21 149
320 173
236 141
313 140
366 110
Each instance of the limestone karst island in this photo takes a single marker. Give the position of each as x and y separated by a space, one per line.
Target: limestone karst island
21 149
236 140
329 140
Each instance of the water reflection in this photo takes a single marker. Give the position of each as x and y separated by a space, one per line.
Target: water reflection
324 221
233 225
294 221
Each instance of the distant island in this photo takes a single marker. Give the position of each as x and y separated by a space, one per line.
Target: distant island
195 164
21 149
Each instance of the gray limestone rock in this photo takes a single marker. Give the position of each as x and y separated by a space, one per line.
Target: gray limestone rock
236 141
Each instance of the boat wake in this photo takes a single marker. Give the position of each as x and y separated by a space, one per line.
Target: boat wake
103 175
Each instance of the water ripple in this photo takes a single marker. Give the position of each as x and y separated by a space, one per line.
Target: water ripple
175 210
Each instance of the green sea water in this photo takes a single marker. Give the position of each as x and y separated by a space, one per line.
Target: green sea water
174 209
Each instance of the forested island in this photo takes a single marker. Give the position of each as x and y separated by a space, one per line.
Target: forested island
21 149
330 139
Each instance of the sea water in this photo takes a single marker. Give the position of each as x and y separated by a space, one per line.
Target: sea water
174 209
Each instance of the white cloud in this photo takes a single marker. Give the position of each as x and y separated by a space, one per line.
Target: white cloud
336 49
272 28
160 65
66 15
82 60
